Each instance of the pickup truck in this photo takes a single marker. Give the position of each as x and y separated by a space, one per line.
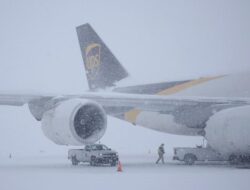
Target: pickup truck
94 154
191 155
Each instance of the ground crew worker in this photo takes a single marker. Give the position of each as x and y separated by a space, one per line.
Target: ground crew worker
161 152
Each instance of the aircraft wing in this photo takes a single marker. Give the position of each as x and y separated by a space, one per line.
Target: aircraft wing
157 102
148 102
125 106
18 100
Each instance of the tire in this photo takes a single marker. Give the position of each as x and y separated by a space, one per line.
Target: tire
93 161
189 159
74 161
233 159
113 163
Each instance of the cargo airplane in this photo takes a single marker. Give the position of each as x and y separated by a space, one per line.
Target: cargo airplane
217 108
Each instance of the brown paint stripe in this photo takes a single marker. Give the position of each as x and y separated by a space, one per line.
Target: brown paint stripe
186 85
131 115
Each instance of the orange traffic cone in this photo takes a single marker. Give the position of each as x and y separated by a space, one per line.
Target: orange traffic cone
119 167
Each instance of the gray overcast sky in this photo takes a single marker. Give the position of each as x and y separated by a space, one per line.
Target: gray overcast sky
155 40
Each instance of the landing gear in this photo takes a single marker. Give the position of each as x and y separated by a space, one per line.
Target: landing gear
239 159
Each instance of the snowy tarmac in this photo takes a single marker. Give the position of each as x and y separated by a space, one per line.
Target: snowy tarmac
36 163
139 172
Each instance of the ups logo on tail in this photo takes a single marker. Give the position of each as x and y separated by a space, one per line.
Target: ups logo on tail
93 59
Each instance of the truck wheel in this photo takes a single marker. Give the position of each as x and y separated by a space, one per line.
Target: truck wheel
113 163
189 159
93 161
74 161
233 159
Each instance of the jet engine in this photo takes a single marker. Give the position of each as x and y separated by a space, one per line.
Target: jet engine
75 122
228 131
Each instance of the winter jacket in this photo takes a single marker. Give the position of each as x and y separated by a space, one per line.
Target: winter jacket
161 150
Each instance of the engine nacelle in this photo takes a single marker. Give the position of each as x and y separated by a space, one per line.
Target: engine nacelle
228 131
75 122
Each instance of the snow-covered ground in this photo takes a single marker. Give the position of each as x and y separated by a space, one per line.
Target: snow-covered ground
139 172
37 163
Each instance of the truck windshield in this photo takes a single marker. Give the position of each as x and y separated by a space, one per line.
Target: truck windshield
99 147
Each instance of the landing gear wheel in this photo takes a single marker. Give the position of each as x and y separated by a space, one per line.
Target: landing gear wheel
189 159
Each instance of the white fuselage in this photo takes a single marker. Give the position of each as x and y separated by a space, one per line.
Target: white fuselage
227 130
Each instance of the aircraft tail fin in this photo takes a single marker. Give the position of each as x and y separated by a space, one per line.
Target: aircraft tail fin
101 66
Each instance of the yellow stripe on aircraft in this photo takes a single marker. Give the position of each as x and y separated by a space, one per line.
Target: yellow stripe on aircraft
131 115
